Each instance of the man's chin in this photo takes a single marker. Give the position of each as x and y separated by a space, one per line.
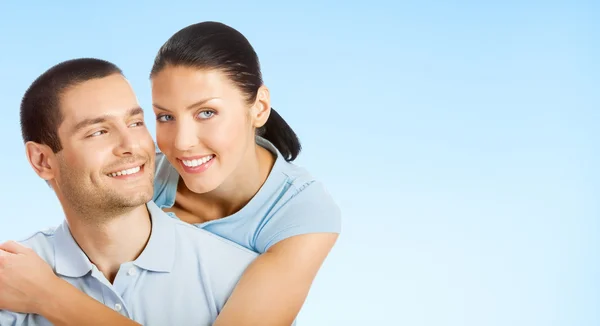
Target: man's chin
137 199
131 198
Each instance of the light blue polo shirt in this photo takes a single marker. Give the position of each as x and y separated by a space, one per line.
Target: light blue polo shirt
183 277
290 202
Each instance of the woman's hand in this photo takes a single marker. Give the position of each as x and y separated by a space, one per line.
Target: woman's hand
25 279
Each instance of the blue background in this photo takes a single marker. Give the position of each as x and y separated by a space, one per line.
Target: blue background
460 140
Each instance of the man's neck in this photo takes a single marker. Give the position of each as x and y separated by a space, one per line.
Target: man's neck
114 241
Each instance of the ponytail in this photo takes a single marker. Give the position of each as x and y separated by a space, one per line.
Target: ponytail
281 135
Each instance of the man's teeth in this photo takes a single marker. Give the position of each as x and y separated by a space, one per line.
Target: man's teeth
125 172
200 161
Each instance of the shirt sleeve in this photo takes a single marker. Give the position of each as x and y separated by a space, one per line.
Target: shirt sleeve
311 210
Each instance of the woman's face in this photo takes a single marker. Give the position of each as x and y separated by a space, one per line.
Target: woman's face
204 125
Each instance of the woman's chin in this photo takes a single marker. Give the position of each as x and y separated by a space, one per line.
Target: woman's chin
200 184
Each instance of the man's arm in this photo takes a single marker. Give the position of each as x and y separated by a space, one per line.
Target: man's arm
274 287
41 292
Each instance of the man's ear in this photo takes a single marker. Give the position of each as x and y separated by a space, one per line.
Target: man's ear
262 107
41 159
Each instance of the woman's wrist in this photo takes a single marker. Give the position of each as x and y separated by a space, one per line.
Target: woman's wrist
50 299
65 305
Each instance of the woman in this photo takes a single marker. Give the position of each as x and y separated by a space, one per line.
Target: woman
223 165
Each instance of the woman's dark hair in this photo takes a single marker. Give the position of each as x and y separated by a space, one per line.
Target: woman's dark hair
213 45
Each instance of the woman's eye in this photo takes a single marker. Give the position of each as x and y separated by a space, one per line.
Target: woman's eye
164 118
206 114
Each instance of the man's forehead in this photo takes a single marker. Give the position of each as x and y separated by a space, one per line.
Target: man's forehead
108 96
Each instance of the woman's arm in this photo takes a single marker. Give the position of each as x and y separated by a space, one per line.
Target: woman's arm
274 287
68 306
271 291
41 292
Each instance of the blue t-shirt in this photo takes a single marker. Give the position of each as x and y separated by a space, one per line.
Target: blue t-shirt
290 202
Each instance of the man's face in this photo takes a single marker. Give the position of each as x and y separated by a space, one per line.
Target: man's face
107 161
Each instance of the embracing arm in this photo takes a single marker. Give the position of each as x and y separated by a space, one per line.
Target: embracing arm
271 291
30 286
274 287
67 306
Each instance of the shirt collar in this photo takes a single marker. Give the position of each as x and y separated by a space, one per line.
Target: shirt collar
158 255
70 260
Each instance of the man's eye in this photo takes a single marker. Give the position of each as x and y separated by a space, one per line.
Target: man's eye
97 133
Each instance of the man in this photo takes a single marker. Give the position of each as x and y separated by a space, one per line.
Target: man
84 134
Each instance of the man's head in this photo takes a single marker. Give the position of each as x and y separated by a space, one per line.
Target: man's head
84 133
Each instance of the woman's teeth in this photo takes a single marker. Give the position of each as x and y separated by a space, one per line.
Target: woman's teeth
197 162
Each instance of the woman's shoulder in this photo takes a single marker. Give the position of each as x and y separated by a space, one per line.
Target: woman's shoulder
306 192
302 205
300 178
297 180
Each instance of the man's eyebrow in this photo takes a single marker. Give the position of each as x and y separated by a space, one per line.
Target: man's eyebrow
136 111
92 121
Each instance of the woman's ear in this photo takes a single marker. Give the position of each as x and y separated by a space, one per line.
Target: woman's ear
261 108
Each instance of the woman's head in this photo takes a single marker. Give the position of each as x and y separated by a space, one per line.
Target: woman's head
210 101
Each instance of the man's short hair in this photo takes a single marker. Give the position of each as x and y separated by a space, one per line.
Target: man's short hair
40 107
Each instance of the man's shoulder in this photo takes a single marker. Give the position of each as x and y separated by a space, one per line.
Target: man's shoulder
222 261
190 236
42 242
40 237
